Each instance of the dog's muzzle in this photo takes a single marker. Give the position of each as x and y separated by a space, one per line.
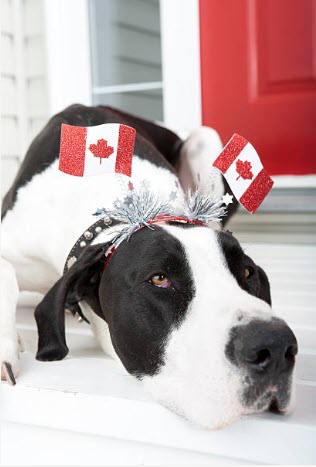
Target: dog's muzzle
265 351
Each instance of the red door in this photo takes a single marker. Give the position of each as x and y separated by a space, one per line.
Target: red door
258 69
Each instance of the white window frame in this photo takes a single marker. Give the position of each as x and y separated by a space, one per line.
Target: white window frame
68 53
179 39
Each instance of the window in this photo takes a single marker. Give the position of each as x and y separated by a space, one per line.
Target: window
126 55
131 54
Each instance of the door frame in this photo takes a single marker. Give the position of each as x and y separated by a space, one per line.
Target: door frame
180 47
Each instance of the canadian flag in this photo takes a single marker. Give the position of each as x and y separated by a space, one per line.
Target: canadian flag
244 172
97 149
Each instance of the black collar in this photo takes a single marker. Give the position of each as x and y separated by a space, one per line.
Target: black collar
86 239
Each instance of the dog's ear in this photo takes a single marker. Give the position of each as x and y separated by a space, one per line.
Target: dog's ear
80 281
264 286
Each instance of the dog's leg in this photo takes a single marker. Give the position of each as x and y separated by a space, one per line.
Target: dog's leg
194 167
9 341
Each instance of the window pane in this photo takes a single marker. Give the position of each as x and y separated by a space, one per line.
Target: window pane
125 41
147 104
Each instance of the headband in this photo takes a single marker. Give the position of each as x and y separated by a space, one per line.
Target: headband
141 209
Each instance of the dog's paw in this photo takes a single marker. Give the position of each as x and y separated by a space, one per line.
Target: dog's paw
7 373
9 356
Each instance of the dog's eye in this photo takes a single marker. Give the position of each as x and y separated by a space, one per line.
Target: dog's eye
248 271
160 280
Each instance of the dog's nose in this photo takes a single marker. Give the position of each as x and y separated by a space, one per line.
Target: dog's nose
263 347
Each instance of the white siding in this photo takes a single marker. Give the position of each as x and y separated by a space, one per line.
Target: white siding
23 89
9 148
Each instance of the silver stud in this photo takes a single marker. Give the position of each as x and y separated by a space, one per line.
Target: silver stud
88 235
71 261
107 220
82 244
98 229
80 320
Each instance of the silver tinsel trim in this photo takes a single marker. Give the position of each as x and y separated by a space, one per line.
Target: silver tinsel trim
203 208
138 208
141 206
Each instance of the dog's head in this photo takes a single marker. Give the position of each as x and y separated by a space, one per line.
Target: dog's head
190 314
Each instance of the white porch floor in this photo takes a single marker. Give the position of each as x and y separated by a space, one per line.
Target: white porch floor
86 410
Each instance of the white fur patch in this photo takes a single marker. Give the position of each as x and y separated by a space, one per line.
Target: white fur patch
101 332
9 346
54 209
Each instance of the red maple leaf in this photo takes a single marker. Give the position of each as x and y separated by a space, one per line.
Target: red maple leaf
244 170
101 149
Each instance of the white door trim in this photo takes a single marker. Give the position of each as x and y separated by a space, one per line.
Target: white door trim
68 53
180 43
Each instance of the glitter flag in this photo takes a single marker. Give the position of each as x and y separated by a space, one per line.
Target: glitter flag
97 149
243 170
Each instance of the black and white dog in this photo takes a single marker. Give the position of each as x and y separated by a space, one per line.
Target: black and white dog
181 306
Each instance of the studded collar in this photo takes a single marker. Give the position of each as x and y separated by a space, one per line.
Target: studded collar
86 239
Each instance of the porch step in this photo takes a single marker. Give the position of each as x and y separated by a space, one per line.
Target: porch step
87 410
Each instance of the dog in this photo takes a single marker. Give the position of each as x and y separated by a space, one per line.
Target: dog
181 306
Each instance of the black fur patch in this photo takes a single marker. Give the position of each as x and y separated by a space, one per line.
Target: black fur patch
257 283
140 315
